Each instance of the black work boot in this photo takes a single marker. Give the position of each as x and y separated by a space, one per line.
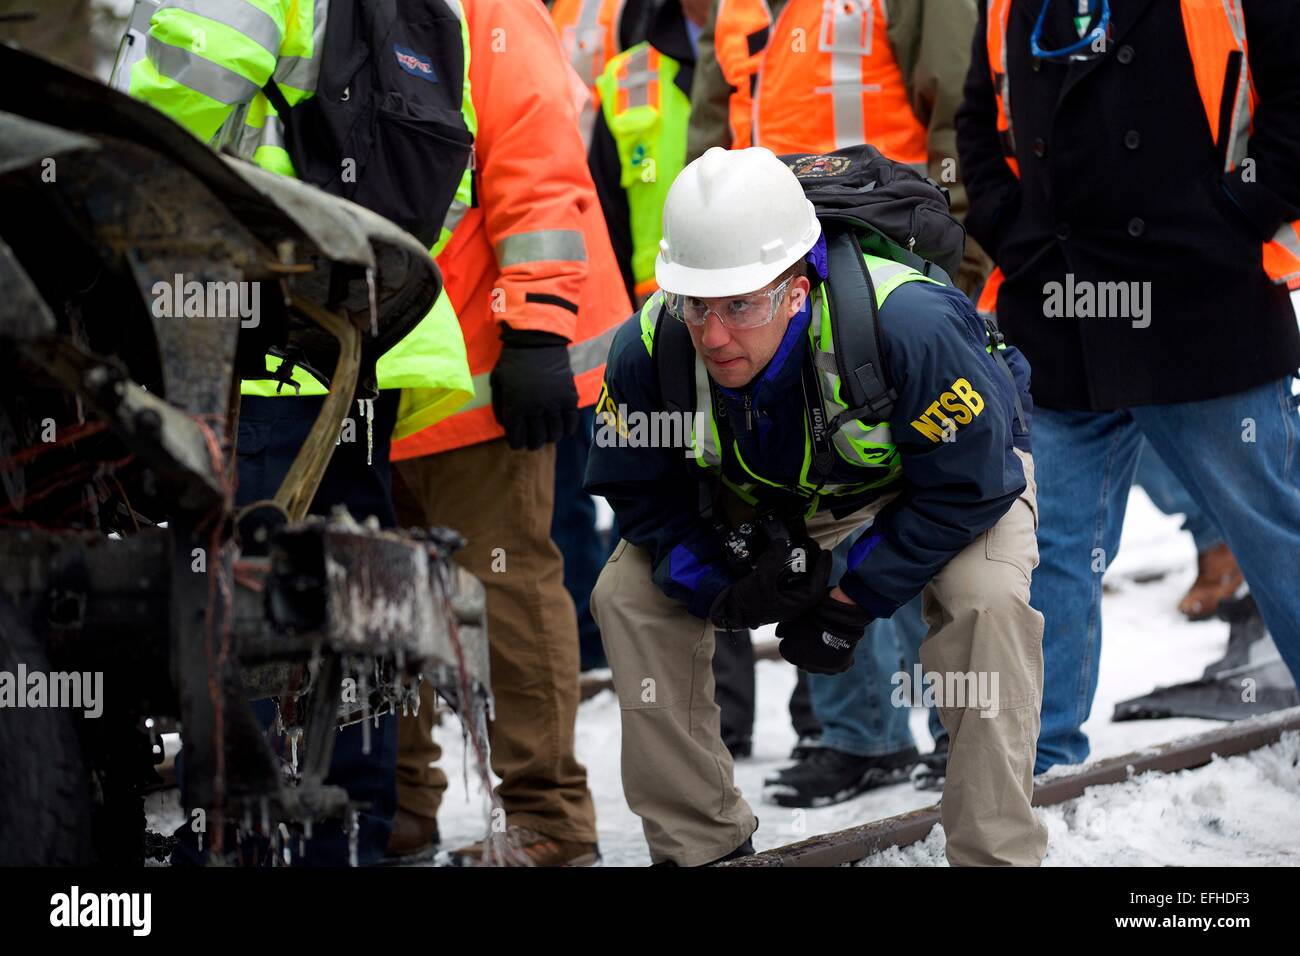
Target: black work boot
931 772
830 776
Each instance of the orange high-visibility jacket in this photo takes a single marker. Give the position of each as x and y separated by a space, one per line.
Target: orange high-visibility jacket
1215 30
534 253
822 77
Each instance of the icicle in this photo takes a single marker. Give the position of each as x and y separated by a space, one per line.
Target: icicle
363 691
354 828
374 304
366 407
266 816
294 734
282 835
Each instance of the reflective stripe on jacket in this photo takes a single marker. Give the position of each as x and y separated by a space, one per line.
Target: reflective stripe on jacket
534 254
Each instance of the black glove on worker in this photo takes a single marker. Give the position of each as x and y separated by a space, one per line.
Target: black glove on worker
822 640
533 393
773 591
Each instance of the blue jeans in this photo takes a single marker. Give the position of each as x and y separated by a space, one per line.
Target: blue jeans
1239 458
1168 494
855 708
573 529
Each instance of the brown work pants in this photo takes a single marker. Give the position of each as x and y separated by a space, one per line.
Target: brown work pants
501 501
677 775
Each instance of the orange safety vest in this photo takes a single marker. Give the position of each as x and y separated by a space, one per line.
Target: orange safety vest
830 81
535 249
588 32
1215 30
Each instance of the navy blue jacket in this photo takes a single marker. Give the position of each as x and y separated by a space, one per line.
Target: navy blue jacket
951 491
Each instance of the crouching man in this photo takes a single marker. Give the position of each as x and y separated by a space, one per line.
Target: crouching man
733 527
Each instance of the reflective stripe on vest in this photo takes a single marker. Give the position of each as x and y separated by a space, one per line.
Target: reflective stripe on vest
647 115
589 35
860 444
588 32
1215 30
847 91
999 11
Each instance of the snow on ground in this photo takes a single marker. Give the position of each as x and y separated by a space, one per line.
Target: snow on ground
1242 810
1234 811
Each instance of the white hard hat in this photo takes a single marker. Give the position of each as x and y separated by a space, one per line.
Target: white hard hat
734 220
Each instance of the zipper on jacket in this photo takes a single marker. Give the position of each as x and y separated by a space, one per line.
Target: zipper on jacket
749 413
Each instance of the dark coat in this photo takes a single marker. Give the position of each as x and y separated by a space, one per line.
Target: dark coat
1120 181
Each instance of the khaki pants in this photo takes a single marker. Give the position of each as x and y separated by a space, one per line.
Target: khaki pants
677 775
501 501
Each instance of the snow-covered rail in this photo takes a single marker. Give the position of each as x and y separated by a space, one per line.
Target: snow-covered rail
854 843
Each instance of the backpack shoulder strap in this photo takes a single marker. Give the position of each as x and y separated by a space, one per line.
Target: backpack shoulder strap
673 357
674 361
855 331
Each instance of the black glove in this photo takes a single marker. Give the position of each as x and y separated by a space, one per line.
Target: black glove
822 640
533 393
772 591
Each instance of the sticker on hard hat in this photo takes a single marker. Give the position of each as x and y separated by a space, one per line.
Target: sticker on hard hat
415 64
815 167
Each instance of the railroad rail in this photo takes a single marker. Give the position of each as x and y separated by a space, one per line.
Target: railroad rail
855 843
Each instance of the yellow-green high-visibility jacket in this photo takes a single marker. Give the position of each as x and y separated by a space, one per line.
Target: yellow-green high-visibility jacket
205 63
647 114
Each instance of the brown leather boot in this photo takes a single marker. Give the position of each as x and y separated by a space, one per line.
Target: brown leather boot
1217 579
413 835
524 847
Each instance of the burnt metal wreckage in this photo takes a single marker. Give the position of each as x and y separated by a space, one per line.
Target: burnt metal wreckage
120 549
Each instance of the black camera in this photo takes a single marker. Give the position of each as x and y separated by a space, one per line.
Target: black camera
743 544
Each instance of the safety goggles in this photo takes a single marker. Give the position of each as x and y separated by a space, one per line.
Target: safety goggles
734 311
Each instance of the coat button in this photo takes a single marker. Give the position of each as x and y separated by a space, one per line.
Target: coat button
1136 227
1040 148
1062 230
1132 139
1124 54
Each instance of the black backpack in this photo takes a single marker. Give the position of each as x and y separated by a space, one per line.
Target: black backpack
868 203
388 98
865 202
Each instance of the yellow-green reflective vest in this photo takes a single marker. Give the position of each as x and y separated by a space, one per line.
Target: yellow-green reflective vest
206 69
647 116
865 445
